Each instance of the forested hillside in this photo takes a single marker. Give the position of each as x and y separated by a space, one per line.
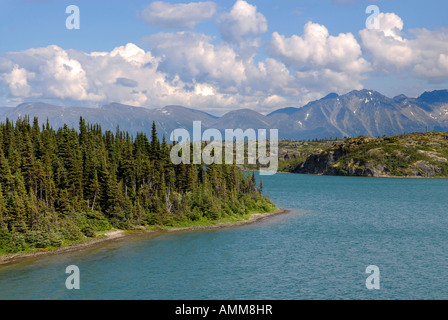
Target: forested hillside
66 185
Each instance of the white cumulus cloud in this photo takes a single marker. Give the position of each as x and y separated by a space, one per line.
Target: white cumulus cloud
318 49
242 26
193 56
180 15
389 50
17 81
422 54
322 62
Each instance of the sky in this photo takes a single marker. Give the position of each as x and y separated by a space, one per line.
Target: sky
218 56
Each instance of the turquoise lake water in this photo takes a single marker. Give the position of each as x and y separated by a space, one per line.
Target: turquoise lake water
320 250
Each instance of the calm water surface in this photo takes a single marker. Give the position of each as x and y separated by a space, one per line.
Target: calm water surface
320 250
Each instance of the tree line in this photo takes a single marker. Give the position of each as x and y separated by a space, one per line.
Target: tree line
65 185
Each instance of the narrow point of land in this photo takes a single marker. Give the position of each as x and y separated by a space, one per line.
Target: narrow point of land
411 155
117 234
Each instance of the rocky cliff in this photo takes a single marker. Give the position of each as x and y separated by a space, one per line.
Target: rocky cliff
409 155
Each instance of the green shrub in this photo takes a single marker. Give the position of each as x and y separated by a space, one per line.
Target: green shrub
37 239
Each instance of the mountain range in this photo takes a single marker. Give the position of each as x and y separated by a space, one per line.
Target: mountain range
359 112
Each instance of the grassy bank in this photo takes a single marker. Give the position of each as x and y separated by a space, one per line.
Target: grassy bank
113 234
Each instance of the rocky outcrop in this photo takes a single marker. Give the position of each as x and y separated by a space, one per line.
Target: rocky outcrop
292 155
382 157
319 163
327 164
423 168
367 169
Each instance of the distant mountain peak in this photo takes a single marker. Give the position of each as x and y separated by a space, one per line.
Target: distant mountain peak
364 92
400 97
435 96
332 95
287 110
116 105
36 105
245 110
179 110
174 107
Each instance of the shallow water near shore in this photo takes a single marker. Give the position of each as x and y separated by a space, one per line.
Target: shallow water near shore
337 226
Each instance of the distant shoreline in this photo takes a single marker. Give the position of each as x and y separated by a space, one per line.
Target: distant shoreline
373 177
118 234
355 176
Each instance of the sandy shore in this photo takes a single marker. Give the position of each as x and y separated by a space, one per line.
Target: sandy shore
117 234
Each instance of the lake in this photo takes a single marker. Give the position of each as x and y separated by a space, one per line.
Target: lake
337 227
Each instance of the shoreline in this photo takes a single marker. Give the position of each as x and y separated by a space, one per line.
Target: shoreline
382 176
336 175
112 235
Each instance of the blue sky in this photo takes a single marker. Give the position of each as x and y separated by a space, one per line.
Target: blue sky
218 55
